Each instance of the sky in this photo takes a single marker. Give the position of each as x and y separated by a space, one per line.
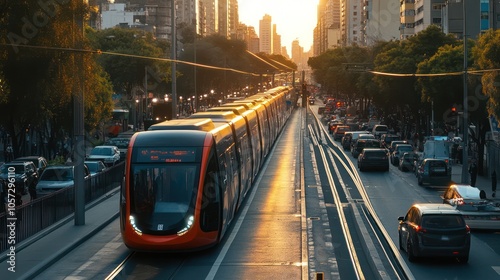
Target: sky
295 19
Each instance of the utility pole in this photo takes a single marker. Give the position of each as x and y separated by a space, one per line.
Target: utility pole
173 55
78 129
465 131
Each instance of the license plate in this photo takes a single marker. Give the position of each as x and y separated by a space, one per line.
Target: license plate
445 238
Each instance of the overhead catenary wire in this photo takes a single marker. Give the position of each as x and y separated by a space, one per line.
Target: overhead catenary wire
100 52
380 73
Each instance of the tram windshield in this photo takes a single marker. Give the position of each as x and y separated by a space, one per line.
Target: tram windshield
163 196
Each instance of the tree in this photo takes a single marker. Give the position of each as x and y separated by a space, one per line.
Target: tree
139 51
487 56
41 72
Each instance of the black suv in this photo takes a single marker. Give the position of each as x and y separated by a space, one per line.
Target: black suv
434 230
24 172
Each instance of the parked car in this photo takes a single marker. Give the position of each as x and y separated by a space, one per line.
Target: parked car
380 129
434 230
109 155
24 172
39 161
121 143
362 144
95 167
434 172
56 177
339 131
373 158
478 211
407 161
386 140
399 150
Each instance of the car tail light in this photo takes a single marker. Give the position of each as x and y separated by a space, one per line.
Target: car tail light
467 229
419 229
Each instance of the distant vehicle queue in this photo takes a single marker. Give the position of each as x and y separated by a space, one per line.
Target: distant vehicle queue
186 178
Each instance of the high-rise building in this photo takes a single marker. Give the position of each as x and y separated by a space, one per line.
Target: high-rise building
276 41
378 22
266 34
351 22
253 41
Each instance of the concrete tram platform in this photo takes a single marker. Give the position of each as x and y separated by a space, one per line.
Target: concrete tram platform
35 254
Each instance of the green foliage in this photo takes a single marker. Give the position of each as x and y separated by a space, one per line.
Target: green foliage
487 56
41 81
142 51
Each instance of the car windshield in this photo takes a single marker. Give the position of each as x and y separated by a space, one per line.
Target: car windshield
375 154
119 142
65 174
442 221
102 152
18 168
93 166
403 149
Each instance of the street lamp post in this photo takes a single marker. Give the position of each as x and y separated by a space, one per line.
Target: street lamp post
465 131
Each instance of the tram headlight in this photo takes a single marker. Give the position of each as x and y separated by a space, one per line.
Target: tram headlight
189 224
132 223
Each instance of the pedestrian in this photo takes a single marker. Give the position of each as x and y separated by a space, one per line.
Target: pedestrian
32 191
9 153
473 173
493 182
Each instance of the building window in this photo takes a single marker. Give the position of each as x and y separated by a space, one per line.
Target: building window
436 20
484 15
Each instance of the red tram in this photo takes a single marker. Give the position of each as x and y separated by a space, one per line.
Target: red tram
186 179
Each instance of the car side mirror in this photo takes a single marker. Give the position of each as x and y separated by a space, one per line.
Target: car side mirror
401 219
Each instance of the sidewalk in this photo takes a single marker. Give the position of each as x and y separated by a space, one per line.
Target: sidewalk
482 182
42 250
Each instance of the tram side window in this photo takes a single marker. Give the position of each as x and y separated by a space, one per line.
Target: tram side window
210 206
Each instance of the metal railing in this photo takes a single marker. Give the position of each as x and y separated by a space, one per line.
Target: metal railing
47 210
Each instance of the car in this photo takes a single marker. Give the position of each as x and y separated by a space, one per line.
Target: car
24 172
394 143
386 140
109 155
434 230
56 177
339 131
95 167
380 129
312 100
121 143
373 158
363 143
478 211
399 150
333 124
39 161
346 140
407 161
357 134
434 172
